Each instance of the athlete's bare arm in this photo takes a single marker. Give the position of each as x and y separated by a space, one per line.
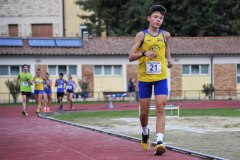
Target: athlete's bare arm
50 83
168 54
134 54
56 84
75 85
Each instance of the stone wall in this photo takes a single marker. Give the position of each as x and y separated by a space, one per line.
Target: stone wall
176 80
87 76
225 81
43 68
29 8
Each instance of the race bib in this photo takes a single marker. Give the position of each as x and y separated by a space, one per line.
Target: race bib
69 87
60 86
25 84
153 67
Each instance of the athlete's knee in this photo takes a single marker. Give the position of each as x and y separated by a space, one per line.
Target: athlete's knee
144 112
160 109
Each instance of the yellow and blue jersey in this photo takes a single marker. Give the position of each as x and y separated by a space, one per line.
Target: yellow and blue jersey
151 70
39 83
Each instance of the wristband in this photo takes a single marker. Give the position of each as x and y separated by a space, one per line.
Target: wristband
143 53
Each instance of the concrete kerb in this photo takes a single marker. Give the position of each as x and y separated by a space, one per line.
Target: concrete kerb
126 137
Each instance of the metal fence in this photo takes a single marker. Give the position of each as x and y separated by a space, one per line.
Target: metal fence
123 96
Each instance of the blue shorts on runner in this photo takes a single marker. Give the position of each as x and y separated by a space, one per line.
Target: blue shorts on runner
47 91
38 91
145 88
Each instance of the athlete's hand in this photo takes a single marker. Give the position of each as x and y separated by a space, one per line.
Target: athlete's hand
170 64
151 55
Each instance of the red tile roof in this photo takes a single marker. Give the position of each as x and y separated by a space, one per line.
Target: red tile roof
122 46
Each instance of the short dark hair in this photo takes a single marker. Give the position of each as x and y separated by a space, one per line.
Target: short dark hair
61 74
25 65
157 8
47 73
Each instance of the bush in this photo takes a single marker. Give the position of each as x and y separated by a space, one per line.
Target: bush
208 89
13 88
85 89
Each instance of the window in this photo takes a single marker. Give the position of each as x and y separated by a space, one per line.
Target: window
238 73
72 70
55 70
42 30
107 70
98 70
10 70
14 70
52 70
204 69
62 69
186 69
195 69
3 70
13 30
117 70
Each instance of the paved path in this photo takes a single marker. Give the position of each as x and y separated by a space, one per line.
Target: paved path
33 138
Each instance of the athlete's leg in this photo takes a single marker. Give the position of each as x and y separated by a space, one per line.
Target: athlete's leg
144 111
45 98
161 92
39 97
61 102
36 97
49 97
70 99
24 102
145 92
161 101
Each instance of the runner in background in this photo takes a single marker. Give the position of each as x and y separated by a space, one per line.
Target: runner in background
25 79
71 86
47 93
38 91
60 84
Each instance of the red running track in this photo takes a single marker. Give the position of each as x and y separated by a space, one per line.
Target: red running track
33 138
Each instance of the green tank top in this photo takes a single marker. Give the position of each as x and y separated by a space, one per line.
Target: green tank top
24 84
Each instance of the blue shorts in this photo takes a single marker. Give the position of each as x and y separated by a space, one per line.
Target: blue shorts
47 91
70 91
145 88
38 91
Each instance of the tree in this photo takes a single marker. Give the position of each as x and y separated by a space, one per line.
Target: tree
208 90
84 85
13 88
184 18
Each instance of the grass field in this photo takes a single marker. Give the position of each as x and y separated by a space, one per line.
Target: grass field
134 114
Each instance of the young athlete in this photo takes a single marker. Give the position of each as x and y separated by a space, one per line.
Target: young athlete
47 93
71 86
25 78
38 92
151 49
60 84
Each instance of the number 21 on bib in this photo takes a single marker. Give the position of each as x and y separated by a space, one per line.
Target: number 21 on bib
153 67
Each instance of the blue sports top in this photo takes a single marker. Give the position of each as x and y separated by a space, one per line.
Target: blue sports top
46 87
60 85
70 85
